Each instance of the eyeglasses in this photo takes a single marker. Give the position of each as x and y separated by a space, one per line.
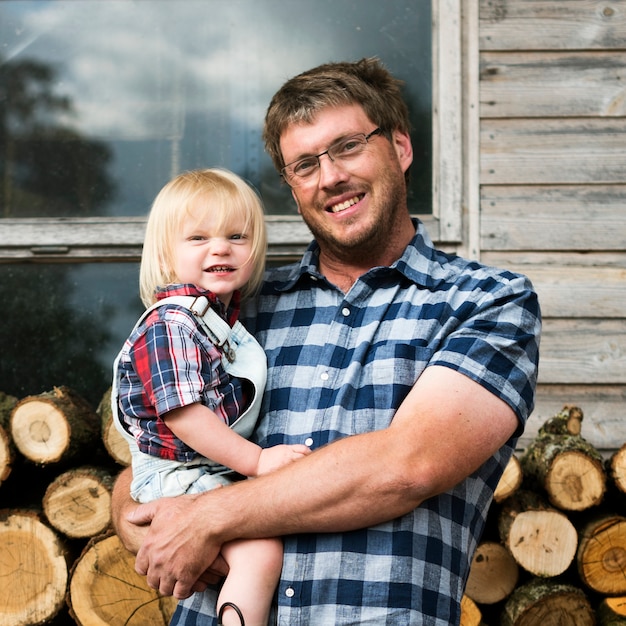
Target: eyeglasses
303 170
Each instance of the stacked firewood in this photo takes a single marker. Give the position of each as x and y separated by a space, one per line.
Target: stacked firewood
61 563
553 552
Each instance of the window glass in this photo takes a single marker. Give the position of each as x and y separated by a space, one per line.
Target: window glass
63 324
103 102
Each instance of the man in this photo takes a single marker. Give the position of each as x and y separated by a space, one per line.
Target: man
409 372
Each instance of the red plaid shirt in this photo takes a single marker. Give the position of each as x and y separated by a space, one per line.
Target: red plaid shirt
169 362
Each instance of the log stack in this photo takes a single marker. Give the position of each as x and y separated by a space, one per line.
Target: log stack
553 552
62 564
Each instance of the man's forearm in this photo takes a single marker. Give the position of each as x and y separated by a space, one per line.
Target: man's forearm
446 428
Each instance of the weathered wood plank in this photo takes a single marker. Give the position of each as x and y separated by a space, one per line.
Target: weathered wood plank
108 239
574 217
583 351
573 260
525 84
111 239
604 409
553 151
546 24
587 292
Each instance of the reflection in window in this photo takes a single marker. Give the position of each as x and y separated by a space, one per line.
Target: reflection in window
83 314
104 101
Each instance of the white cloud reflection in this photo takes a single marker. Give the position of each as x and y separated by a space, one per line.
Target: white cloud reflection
135 69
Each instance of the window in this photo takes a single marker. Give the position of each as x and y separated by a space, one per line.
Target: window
102 102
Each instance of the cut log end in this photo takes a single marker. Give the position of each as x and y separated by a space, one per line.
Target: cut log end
493 575
510 481
105 590
543 542
40 431
7 455
78 502
470 613
115 444
33 570
575 482
601 557
55 426
617 469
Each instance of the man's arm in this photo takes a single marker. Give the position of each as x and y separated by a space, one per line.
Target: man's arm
132 535
446 428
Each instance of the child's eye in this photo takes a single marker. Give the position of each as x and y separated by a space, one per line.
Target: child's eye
237 236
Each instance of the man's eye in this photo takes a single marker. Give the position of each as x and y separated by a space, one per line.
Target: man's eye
348 146
304 167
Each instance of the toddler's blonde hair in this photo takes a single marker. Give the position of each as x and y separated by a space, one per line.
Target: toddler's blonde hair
217 191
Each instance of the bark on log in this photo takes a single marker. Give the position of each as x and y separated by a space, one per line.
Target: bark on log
612 612
55 427
78 502
493 574
115 444
470 613
566 466
541 539
549 604
33 570
105 590
601 555
510 481
567 422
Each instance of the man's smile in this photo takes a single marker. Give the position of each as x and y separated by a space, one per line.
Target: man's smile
346 204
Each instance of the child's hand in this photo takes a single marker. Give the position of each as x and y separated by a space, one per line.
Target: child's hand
277 456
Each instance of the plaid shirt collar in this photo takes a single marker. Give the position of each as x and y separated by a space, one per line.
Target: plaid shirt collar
230 314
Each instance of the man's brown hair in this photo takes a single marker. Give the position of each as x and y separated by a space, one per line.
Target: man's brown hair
366 82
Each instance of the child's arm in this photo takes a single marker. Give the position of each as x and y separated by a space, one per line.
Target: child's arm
205 432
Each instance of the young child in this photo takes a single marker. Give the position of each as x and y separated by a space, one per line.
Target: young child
188 382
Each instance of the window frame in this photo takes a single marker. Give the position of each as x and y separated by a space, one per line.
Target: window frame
102 239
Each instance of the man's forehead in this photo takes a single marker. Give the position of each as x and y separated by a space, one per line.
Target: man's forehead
324 127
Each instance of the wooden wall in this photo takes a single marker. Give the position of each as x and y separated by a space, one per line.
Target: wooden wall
552 91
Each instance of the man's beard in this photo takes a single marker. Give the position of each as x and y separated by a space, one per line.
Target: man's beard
368 242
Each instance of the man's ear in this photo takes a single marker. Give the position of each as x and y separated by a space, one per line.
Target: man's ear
401 143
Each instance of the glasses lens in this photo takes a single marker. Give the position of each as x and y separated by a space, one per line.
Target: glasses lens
305 167
347 147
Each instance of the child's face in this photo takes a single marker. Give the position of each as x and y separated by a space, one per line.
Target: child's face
217 261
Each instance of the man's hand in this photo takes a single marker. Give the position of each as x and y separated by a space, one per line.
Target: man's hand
132 524
175 556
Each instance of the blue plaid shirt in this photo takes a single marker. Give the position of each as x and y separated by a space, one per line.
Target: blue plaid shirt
341 364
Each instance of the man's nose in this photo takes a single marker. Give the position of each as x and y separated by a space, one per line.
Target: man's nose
331 171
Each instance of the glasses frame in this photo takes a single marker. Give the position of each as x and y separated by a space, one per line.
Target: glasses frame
290 176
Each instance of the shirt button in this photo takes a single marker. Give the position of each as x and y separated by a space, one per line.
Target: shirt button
345 311
324 375
308 441
289 592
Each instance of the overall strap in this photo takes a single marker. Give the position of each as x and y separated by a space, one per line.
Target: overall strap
217 329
